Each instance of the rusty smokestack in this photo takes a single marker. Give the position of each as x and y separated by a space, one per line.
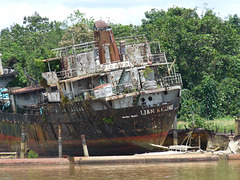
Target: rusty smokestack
107 47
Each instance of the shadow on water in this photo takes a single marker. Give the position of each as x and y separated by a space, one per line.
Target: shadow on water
191 170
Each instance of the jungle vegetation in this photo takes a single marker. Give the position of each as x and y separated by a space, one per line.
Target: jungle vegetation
206 47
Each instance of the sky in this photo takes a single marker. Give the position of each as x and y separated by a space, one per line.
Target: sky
117 11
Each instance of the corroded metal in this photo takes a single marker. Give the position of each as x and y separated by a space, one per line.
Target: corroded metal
104 36
110 131
113 93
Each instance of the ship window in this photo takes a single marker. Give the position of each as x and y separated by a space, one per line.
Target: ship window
143 99
26 97
79 84
150 98
110 103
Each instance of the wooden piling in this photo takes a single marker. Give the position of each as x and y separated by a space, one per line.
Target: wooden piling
23 141
175 135
199 141
85 149
237 126
60 141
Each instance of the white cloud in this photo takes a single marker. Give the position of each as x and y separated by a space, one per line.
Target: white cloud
124 16
124 11
116 15
14 14
58 13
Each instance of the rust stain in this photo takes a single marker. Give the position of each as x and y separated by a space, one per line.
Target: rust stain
103 35
26 90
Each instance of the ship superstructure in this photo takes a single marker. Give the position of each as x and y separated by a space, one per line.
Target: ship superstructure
122 94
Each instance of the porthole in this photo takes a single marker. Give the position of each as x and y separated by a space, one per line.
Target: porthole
150 98
143 99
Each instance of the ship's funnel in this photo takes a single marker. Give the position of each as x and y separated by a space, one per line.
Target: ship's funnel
107 47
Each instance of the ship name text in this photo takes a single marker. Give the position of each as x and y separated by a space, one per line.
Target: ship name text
156 110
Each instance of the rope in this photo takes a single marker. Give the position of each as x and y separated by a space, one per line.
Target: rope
188 138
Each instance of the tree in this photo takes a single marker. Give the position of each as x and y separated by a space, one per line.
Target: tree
81 30
21 45
229 100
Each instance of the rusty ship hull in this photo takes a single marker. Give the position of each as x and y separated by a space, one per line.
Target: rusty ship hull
108 132
122 94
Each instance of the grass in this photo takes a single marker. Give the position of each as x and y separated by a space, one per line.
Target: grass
225 124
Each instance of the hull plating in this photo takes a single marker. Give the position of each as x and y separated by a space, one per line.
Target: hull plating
108 132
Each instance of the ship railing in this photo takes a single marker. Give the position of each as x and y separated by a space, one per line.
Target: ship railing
89 46
7 70
82 95
137 61
20 118
158 58
171 80
155 47
70 73
130 40
123 88
75 49
28 110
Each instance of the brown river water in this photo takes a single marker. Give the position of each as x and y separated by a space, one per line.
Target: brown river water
191 170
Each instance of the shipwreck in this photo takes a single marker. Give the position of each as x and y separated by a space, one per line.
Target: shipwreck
122 94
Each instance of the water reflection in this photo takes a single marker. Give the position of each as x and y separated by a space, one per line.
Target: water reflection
194 170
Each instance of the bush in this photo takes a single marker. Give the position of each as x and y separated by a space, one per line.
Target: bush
32 154
189 106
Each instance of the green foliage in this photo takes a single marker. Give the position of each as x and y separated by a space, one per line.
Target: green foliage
20 79
76 34
194 41
207 52
32 154
208 97
43 82
80 18
190 107
120 30
109 120
196 121
147 71
64 100
225 124
24 47
229 100
80 31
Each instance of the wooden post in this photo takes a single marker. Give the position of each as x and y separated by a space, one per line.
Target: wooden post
199 141
237 126
175 135
60 141
23 140
85 149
